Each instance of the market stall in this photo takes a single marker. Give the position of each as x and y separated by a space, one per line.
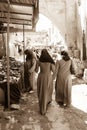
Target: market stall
15 15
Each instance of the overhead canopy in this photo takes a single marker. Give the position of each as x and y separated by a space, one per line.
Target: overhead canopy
22 12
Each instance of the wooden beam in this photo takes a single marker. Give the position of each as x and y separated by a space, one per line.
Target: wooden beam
17 19
16 13
20 23
15 30
19 3
8 72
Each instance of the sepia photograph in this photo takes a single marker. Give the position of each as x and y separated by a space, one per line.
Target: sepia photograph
43 65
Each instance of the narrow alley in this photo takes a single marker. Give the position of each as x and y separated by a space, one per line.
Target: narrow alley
27 117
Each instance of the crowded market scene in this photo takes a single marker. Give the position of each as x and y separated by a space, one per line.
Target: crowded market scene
43 65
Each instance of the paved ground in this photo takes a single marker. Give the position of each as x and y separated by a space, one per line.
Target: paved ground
28 117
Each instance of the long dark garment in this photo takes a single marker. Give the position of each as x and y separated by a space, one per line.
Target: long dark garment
27 75
29 70
63 83
45 85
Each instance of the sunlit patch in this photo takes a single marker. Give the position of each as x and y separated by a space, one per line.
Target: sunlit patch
43 23
79 96
86 122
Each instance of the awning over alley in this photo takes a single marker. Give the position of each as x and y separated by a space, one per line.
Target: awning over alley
24 12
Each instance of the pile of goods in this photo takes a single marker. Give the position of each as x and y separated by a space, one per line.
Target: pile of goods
14 69
14 72
79 68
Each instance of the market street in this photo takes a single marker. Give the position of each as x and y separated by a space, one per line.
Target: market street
56 118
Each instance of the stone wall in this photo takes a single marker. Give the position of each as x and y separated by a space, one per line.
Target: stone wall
64 15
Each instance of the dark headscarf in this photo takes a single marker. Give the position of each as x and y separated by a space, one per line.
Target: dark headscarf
45 57
29 54
65 55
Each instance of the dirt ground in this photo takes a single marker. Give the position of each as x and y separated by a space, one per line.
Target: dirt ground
27 117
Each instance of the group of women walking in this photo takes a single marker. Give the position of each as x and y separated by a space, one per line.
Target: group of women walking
48 71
